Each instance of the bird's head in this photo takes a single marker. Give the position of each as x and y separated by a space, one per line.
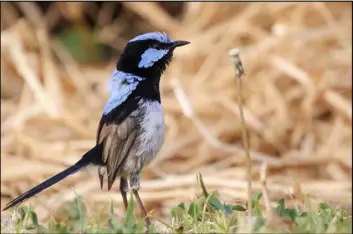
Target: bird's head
148 55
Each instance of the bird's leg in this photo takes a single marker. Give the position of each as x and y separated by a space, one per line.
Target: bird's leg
101 174
124 188
139 201
135 186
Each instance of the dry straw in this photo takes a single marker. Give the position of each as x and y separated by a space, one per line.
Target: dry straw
296 103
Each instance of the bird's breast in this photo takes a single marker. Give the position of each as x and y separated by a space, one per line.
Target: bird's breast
151 130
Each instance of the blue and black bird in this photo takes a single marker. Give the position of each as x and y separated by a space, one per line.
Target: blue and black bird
131 129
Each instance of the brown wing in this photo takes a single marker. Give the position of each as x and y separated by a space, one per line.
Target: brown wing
117 141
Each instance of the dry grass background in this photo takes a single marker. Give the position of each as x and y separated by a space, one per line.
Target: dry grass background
297 97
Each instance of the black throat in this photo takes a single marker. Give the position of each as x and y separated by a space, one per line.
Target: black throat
148 89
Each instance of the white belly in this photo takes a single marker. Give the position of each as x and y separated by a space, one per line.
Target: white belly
151 135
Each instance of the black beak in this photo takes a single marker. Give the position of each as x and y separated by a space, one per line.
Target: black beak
179 43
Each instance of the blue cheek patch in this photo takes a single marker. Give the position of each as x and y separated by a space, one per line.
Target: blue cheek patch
121 85
150 56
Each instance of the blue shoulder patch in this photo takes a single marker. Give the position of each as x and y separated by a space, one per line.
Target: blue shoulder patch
150 56
120 86
161 37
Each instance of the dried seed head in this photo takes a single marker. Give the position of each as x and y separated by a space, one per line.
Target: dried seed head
235 56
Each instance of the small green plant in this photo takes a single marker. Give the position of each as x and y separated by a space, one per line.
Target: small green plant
210 214
206 214
77 221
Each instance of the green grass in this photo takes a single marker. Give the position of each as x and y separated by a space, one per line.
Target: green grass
207 214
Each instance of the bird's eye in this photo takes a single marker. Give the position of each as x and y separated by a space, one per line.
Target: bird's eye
157 46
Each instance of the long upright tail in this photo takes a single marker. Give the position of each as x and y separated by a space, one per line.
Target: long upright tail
88 158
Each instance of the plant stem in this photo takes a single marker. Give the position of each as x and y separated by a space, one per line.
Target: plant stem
239 72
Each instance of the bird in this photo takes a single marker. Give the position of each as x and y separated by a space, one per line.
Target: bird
131 129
